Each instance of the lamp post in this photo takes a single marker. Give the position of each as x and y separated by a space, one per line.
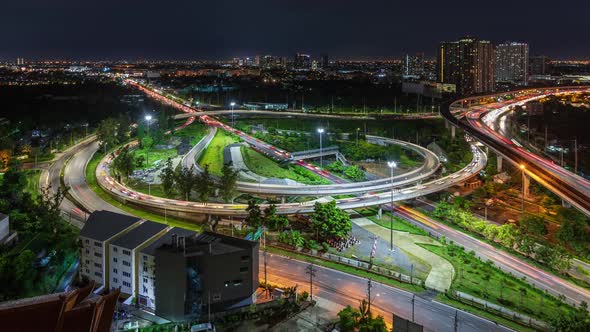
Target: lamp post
522 168
232 104
357 136
392 165
148 118
321 131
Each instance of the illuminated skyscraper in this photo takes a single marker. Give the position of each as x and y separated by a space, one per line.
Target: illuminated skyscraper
512 62
302 61
468 63
414 65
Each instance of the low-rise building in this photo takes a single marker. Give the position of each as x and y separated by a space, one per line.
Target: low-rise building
147 266
100 229
124 255
210 271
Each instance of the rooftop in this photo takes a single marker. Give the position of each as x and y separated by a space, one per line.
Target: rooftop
138 235
102 225
166 239
212 244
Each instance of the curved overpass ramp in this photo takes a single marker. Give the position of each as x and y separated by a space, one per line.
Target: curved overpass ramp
477 116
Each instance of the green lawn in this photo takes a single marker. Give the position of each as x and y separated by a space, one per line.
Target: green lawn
32 186
264 166
153 156
91 180
213 156
348 269
195 132
485 281
398 224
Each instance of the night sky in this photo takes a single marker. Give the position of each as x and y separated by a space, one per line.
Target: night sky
197 29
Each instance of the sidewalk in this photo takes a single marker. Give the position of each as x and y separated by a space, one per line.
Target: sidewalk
441 273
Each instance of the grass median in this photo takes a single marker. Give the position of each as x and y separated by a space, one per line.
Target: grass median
213 155
93 185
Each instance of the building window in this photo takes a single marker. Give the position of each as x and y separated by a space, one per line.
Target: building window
98 265
145 280
97 244
87 262
87 241
245 259
126 284
87 271
127 252
115 271
126 274
115 280
115 259
145 290
226 284
98 274
145 269
237 282
98 254
115 249
144 257
87 252
244 269
126 263
216 297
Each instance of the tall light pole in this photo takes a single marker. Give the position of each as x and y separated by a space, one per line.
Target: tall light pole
321 131
392 165
357 136
232 104
148 118
522 168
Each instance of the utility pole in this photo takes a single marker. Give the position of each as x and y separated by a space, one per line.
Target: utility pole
413 300
265 280
369 286
576 155
311 271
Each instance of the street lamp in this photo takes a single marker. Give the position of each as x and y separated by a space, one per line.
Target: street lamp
321 131
392 165
522 168
148 118
232 104
357 136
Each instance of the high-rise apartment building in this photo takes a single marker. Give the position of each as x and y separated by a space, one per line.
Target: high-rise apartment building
539 65
414 65
512 62
468 63
302 61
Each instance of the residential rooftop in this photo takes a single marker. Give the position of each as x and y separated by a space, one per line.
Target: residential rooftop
103 225
138 235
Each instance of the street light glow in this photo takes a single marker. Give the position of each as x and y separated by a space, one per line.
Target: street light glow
148 117
522 166
392 164
321 130
233 104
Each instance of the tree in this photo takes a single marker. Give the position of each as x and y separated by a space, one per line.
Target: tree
185 181
274 221
107 134
254 218
348 318
23 264
328 221
533 225
204 184
167 177
147 142
229 180
124 163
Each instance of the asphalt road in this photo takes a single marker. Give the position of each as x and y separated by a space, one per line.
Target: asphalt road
344 289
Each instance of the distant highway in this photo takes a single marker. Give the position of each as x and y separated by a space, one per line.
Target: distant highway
481 122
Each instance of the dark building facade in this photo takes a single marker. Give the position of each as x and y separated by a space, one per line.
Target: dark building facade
210 271
468 63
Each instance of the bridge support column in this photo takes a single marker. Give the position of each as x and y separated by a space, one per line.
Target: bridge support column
565 204
447 124
379 213
453 131
499 164
283 199
526 184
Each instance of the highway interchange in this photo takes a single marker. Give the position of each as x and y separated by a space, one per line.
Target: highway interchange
396 300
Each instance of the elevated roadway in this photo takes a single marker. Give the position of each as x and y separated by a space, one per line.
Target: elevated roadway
479 118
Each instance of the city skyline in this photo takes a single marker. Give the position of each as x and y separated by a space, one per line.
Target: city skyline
226 29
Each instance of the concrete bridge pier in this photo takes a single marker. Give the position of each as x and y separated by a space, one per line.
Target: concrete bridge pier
283 199
379 213
453 129
499 164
